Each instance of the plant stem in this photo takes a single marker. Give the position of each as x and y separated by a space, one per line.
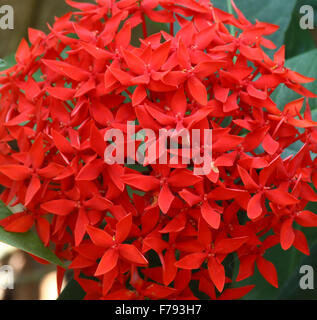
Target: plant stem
230 10
144 26
172 29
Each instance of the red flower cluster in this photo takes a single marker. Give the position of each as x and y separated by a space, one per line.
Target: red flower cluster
151 233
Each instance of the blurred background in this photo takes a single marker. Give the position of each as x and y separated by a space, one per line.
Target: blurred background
33 280
29 13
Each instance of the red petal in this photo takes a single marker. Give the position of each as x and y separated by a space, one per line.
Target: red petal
23 52
15 172
100 237
231 103
246 267
306 219
249 183
236 293
135 64
217 273
63 68
160 55
225 246
281 197
37 152
179 102
62 143
268 271
90 171
123 37
96 52
108 262
123 228
22 224
251 53
32 189
191 261
61 93
221 94
270 145
204 233
190 198
165 198
169 268
81 226
183 178
43 229
211 216
139 95
141 182
254 138
197 90
155 291
132 254
177 224
254 209
287 235
60 207
253 92
300 242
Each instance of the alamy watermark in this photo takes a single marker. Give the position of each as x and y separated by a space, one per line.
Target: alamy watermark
306 281
175 146
6 277
6 17
307 20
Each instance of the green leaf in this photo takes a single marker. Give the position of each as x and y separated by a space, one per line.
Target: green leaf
7 62
291 289
297 40
28 241
72 291
277 12
305 64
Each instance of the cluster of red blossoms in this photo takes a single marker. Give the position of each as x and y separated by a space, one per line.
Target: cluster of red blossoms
150 234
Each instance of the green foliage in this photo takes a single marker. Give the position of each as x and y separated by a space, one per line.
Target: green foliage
291 289
7 62
305 64
297 40
72 291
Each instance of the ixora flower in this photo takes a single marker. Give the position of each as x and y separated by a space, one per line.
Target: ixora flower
131 231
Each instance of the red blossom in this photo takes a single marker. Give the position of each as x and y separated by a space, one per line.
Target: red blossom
111 221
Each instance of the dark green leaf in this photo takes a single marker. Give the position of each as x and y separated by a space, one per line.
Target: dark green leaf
305 64
291 289
297 40
72 291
